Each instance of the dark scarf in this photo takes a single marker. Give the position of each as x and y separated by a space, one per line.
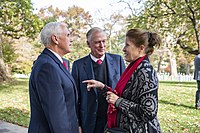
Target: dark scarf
112 111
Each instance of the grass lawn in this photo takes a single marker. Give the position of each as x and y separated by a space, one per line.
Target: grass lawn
14 102
176 105
177 113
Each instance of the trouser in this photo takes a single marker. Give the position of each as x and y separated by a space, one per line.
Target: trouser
198 94
100 125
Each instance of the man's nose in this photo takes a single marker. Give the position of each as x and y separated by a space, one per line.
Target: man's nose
102 43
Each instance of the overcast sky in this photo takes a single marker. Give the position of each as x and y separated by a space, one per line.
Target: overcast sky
97 8
93 6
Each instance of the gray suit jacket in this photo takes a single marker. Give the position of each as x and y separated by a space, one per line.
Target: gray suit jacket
197 67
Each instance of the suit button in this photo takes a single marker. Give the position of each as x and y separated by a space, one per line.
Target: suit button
95 113
96 101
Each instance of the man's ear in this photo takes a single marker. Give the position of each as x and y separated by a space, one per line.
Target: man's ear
54 39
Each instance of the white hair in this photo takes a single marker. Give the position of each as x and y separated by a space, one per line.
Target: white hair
48 30
92 31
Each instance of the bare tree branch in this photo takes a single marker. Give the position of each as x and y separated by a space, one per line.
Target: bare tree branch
185 47
195 25
173 12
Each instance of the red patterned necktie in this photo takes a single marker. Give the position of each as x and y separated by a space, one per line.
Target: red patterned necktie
65 65
99 61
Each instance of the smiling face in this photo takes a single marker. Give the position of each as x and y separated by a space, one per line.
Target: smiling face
97 44
131 52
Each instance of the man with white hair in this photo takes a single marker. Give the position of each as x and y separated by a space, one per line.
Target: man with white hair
53 94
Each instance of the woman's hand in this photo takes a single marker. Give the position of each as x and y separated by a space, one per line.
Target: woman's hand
111 97
93 84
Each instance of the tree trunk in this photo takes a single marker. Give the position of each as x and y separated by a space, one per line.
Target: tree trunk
4 75
187 69
159 63
4 72
173 65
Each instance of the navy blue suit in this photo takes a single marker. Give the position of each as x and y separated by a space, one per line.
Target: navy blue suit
53 97
82 69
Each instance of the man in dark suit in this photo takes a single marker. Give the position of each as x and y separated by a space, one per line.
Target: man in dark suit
197 78
53 94
92 104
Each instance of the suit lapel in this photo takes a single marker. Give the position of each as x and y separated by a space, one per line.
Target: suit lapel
111 70
89 69
46 51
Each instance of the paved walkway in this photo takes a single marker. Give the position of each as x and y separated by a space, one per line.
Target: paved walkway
6 127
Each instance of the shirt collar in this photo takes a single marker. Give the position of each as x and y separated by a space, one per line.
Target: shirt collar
95 59
58 56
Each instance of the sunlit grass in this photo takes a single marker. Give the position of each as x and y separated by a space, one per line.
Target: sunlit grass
177 111
176 105
14 102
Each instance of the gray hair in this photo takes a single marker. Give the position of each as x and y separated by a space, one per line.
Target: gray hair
48 30
92 31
